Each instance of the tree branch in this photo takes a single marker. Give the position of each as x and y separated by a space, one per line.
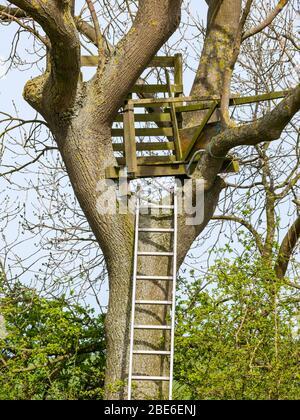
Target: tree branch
82 26
267 128
31 162
86 29
294 285
268 20
286 248
9 12
56 19
233 54
95 20
26 27
247 225
155 22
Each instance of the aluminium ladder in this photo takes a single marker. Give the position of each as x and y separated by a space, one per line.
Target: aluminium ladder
136 277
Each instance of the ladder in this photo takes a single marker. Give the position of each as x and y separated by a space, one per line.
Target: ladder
136 277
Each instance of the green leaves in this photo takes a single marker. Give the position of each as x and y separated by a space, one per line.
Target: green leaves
235 339
52 350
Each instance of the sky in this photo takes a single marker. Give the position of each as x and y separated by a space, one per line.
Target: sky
11 100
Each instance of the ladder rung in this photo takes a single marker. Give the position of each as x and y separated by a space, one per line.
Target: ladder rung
155 254
157 230
153 302
157 206
152 352
140 277
150 378
152 327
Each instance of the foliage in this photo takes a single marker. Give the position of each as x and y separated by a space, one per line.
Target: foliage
237 335
236 338
50 350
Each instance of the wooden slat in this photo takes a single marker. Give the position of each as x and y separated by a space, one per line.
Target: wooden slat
149 171
244 100
149 117
199 106
150 160
144 132
235 100
89 60
178 70
156 89
92 61
174 169
162 61
129 138
147 146
165 101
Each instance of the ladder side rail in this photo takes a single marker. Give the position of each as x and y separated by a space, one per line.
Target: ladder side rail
173 292
136 242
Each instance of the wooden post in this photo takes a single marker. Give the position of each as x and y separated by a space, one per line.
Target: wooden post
178 80
129 138
178 71
176 135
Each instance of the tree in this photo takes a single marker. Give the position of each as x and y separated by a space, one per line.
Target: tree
233 342
79 115
238 323
51 349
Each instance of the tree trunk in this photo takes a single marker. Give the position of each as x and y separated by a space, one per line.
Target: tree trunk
86 149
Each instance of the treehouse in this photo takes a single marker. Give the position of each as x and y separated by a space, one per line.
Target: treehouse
149 139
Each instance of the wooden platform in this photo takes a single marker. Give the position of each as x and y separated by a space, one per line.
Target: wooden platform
148 137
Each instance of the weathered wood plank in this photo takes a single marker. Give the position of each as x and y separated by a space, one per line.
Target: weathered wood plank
199 106
178 70
235 100
92 61
244 100
129 138
156 89
230 165
162 61
149 117
165 101
150 160
145 132
149 171
89 60
147 146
